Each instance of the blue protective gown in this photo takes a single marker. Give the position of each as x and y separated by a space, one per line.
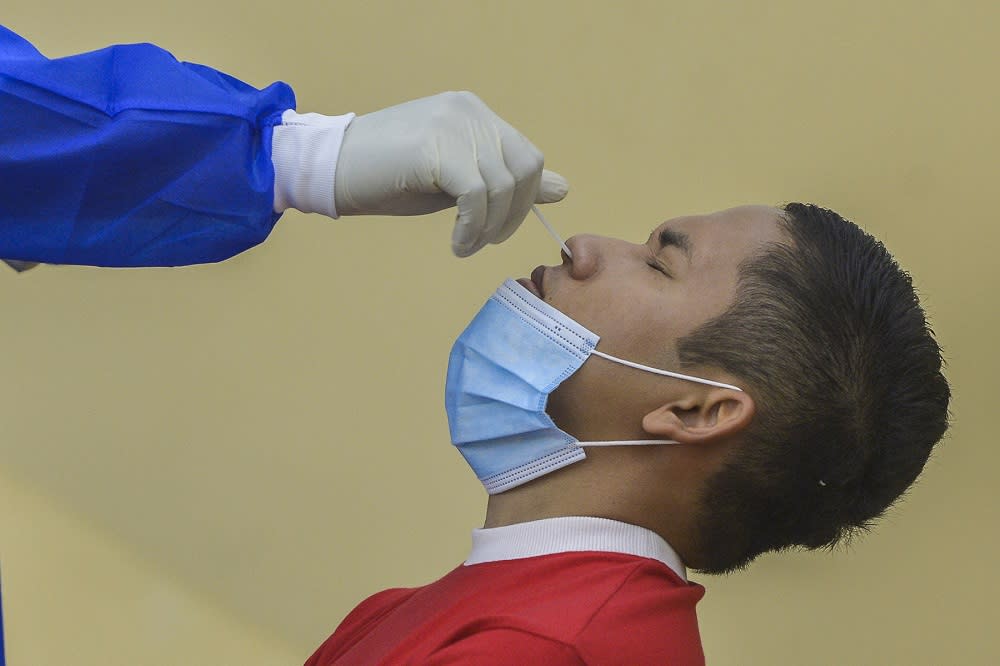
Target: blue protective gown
127 157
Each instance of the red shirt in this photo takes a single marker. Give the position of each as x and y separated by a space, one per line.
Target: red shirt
564 607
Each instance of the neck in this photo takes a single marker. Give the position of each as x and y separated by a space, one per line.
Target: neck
627 484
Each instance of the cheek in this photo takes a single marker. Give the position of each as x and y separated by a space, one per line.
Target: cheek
605 312
640 327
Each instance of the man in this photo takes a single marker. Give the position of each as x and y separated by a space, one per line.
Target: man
811 399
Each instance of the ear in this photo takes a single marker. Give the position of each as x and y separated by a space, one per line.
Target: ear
703 417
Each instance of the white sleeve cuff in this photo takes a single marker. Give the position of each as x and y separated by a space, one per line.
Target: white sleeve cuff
304 150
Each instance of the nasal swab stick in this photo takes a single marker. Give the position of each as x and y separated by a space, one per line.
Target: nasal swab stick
548 227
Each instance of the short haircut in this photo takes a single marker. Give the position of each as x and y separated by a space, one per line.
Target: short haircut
828 336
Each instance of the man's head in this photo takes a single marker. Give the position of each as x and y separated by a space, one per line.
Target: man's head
844 396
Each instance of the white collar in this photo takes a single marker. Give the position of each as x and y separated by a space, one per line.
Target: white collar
571 534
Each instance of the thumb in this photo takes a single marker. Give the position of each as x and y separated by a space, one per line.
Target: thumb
552 189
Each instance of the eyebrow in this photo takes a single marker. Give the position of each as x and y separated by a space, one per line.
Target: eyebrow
678 239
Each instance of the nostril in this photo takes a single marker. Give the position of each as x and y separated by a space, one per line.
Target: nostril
585 256
571 253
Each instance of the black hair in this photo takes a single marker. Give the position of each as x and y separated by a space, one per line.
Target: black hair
828 337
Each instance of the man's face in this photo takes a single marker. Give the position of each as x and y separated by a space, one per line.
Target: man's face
641 298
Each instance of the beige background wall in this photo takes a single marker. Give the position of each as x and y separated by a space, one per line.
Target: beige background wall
212 465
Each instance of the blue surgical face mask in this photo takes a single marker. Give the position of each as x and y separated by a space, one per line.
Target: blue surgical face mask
502 368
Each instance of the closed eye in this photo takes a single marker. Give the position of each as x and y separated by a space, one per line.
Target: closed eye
658 266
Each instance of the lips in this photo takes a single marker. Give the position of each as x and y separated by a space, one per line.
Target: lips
529 285
534 283
538 277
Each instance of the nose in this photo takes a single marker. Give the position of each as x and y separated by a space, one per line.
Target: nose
586 261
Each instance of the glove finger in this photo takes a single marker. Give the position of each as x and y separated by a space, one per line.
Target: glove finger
516 218
460 178
524 195
525 162
500 186
470 192
553 188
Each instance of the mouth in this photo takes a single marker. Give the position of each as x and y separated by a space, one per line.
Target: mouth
534 283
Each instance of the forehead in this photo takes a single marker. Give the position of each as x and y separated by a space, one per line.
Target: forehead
729 235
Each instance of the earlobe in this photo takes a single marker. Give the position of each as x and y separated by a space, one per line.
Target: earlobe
706 418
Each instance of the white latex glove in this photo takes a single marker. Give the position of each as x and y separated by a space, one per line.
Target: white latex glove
429 154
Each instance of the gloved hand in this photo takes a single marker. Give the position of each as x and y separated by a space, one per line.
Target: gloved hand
424 156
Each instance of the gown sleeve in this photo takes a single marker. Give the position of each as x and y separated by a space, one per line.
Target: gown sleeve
127 157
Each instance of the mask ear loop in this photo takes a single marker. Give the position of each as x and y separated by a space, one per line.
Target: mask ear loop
629 442
666 373
657 371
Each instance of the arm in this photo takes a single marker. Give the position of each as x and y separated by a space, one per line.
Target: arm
127 157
